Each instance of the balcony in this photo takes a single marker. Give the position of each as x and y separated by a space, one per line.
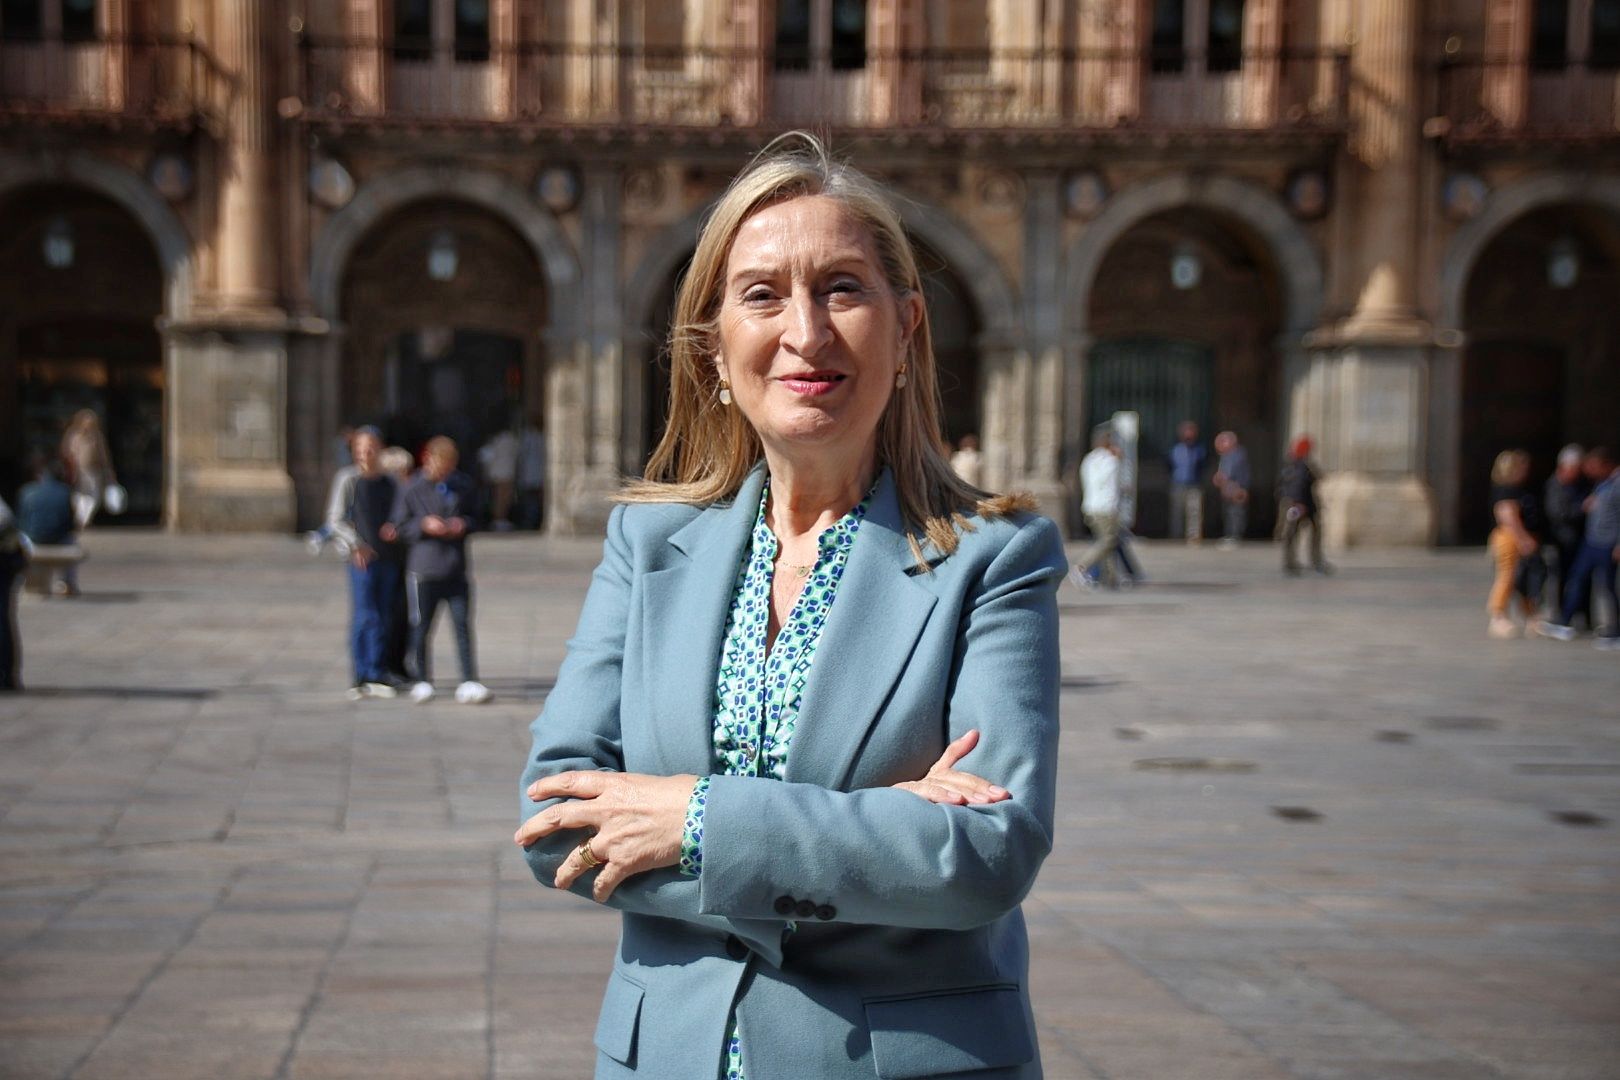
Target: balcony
1486 101
114 82
382 83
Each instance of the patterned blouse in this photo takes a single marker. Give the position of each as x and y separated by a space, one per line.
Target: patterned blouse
758 693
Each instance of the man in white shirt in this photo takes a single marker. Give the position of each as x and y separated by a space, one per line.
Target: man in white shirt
1099 480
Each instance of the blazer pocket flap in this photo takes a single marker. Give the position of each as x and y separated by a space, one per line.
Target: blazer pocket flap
982 1027
621 1015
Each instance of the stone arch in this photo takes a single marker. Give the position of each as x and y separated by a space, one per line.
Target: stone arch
130 191
1502 207
961 249
1299 267
391 191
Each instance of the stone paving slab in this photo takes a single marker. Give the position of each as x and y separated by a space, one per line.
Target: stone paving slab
1365 858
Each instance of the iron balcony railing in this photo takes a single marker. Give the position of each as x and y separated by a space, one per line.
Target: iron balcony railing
166 81
415 81
1485 99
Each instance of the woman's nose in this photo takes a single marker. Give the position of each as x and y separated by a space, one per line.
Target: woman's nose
809 326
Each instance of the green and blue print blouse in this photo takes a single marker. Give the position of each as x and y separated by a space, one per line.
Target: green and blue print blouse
759 689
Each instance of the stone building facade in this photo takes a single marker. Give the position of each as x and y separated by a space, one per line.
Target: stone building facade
234 226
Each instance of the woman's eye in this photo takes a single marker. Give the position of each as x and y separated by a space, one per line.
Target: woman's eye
846 287
755 296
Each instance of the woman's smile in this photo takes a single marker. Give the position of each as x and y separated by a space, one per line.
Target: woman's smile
813 384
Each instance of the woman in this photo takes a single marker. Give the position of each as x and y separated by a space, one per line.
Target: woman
89 464
750 748
1514 543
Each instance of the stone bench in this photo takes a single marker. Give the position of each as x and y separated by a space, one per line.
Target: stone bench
46 560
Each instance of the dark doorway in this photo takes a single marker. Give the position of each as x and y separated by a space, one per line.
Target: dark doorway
1163 381
1512 398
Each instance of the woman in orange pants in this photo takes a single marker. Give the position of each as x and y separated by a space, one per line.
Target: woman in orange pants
1515 543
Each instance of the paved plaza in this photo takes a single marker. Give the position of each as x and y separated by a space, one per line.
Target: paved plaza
1307 828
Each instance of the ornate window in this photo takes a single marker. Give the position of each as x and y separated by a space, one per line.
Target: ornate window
1210 29
416 23
21 20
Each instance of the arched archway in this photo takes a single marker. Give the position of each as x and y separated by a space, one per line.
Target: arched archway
1543 368
1540 366
81 295
1215 350
444 305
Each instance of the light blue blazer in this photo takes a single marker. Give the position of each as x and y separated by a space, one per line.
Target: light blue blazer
909 956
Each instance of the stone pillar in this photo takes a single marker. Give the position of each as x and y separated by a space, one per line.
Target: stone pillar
588 381
1363 394
226 365
1041 395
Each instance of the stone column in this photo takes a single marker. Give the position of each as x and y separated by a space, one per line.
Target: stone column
1041 395
588 380
226 365
1363 393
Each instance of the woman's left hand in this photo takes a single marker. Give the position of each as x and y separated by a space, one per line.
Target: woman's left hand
634 822
950 786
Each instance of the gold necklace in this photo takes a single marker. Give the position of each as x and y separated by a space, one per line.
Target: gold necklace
800 571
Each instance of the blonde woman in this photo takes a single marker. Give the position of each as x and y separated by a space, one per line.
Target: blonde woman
1515 543
802 622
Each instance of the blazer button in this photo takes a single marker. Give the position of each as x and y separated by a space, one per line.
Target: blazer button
826 913
804 909
735 947
784 905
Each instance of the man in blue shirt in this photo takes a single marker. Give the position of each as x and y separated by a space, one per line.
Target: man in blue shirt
45 516
1187 459
1232 480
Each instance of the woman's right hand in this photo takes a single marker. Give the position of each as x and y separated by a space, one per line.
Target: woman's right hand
946 784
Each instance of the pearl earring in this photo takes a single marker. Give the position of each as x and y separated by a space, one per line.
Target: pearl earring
900 377
725 392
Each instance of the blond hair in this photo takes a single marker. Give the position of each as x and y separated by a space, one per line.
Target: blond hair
708 449
1508 465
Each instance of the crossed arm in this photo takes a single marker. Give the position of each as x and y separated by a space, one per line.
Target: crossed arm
946 849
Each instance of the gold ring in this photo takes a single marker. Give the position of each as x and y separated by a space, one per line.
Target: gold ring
588 857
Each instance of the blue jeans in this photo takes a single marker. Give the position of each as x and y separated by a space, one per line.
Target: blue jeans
371 591
1594 564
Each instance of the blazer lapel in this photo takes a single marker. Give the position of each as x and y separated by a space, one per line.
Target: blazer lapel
684 609
876 618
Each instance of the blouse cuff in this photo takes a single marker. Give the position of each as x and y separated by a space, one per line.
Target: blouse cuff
691 864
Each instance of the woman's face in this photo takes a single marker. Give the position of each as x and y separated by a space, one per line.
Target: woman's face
811 333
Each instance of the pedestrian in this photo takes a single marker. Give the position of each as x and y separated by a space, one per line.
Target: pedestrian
1567 489
359 515
1232 481
1515 543
1099 503
45 515
531 474
1296 491
397 462
90 466
318 538
498 459
13 557
433 515
966 461
1594 564
1187 459
803 619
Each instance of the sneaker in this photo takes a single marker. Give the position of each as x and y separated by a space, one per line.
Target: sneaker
1501 629
1081 580
314 541
1607 644
472 692
1228 544
380 690
422 692
1556 631
355 692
